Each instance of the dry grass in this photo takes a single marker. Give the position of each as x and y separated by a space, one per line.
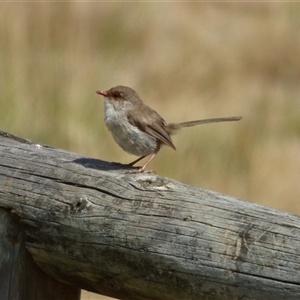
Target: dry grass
188 61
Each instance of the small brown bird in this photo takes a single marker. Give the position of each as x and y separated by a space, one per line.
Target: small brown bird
137 128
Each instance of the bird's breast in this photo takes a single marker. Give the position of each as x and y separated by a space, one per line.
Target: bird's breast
129 137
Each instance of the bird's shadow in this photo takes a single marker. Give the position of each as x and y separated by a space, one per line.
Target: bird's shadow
102 165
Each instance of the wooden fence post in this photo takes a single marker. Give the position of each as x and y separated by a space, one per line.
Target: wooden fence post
20 278
87 223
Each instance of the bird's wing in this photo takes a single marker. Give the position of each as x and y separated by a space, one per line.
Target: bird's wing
149 121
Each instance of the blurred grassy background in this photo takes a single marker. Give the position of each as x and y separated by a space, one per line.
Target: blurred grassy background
187 61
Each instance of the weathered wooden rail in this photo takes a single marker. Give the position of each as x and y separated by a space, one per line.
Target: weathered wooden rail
70 223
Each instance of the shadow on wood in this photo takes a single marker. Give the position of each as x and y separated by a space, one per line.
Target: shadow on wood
140 236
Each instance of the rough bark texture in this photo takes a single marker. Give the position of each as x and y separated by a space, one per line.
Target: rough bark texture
89 224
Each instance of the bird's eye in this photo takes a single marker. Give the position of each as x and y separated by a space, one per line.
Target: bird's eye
116 95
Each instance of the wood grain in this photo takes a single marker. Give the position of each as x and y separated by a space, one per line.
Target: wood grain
141 236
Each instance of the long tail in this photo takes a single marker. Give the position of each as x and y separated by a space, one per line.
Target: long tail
176 126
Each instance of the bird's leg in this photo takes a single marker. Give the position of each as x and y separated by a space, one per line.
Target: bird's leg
142 169
135 161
